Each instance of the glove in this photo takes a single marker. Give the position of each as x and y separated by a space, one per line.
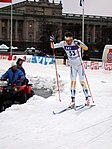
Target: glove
52 38
77 42
14 85
21 79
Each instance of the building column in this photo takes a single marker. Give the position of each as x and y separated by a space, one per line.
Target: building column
86 32
8 30
60 32
16 30
100 33
25 30
93 37
0 29
35 30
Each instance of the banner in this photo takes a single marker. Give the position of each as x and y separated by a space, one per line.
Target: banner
34 59
94 65
109 56
4 56
5 1
42 60
85 64
108 66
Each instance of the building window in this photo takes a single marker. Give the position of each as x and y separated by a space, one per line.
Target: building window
30 37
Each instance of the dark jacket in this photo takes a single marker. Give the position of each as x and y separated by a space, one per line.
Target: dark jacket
14 76
20 66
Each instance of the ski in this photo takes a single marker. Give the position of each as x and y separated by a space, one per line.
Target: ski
77 108
84 107
67 109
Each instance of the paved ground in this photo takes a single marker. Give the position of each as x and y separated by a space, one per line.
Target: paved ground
43 92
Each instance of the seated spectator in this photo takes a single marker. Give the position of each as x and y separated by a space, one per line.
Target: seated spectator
14 75
19 66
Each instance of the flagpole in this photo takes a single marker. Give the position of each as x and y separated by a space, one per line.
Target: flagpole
82 51
11 30
83 22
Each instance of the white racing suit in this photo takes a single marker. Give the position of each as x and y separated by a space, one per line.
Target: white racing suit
73 52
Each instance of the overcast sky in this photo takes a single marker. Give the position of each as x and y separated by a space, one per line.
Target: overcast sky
92 7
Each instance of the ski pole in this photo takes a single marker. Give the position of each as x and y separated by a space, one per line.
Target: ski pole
85 76
52 46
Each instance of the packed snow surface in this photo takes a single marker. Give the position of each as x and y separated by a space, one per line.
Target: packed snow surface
33 126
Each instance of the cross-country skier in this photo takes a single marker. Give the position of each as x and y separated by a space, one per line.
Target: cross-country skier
72 48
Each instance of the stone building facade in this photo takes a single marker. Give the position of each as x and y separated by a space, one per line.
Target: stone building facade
34 21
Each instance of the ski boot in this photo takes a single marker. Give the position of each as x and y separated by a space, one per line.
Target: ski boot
87 102
72 104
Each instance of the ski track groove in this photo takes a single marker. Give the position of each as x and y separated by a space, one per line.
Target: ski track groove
101 122
99 136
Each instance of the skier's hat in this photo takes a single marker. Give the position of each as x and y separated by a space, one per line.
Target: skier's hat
68 36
